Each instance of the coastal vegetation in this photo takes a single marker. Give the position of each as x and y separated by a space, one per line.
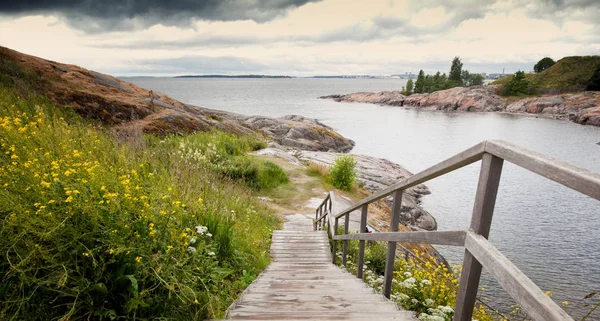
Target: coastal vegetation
343 174
428 287
570 74
96 225
543 64
456 78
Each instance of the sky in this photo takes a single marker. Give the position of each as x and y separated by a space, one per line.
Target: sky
300 37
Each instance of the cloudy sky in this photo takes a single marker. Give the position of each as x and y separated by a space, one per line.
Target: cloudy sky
299 37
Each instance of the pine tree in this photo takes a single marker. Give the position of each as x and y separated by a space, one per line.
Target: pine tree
455 75
420 83
409 87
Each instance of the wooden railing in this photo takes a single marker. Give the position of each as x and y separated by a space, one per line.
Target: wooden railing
479 252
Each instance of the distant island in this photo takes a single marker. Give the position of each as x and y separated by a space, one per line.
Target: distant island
231 76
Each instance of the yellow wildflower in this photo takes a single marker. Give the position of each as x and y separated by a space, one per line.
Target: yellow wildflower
138 259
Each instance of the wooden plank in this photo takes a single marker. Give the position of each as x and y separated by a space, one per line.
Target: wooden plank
481 221
361 243
462 159
526 294
454 238
391 248
302 284
579 179
345 249
334 242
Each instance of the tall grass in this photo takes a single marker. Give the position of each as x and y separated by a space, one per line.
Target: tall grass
92 228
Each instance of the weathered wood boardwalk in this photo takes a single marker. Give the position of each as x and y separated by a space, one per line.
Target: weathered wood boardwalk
302 284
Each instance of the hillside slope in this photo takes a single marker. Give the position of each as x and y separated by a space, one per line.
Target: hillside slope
127 107
569 73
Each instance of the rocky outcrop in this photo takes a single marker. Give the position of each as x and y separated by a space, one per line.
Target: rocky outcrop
580 108
126 107
478 98
376 174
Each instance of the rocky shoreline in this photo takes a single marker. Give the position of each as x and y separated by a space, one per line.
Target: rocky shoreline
374 174
582 108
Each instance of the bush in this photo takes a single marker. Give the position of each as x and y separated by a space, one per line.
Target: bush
517 85
343 173
94 229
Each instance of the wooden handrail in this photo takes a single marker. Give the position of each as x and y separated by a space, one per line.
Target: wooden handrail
478 251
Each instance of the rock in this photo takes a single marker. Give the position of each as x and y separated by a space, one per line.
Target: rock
128 108
588 116
477 98
578 107
377 174
391 98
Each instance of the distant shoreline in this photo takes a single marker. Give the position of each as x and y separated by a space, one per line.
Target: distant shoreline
231 76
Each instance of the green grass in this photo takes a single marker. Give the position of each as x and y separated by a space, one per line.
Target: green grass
567 73
97 228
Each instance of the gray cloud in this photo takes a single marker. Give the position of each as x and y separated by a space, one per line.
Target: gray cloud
560 11
95 16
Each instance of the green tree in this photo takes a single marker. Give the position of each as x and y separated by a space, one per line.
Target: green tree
409 87
420 83
517 85
455 75
428 84
543 64
436 82
471 79
476 80
443 82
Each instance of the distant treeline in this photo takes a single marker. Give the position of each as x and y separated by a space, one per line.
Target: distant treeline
430 83
231 76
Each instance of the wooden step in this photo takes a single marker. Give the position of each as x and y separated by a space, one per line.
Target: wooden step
302 284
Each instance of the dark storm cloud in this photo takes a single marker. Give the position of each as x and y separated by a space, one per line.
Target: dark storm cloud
108 15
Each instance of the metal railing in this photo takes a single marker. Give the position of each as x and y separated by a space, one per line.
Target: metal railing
479 252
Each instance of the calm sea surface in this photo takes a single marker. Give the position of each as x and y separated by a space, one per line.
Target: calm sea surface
549 231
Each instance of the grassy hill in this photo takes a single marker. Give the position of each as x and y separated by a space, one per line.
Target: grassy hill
567 73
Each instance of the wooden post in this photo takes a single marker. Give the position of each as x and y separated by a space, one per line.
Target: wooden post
334 247
391 250
316 218
481 221
345 249
361 243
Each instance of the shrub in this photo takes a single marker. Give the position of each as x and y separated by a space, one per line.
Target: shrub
343 173
517 85
93 229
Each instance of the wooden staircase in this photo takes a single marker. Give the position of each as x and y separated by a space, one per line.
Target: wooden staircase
302 284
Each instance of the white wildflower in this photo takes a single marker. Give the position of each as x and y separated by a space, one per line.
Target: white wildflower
415 301
192 240
407 274
211 253
428 302
208 234
446 309
425 282
191 250
201 229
